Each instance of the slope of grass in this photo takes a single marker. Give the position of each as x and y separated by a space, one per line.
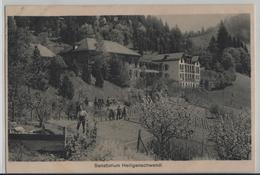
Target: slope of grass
202 41
83 90
237 95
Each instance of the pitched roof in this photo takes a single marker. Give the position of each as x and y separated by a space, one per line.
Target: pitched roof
44 51
163 57
89 44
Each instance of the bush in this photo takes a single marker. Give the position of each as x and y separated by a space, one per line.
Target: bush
214 109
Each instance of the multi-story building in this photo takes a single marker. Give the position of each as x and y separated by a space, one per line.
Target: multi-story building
180 67
85 51
183 68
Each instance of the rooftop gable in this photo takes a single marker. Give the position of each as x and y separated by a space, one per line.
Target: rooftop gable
163 57
89 44
44 51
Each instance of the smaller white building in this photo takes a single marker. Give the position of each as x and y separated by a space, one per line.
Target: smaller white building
180 67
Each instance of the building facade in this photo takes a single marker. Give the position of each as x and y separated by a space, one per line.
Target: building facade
183 68
85 52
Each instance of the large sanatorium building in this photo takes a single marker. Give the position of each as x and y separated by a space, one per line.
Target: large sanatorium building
180 67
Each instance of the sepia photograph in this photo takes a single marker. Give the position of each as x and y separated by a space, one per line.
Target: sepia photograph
151 87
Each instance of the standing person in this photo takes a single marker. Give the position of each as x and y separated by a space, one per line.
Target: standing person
95 102
111 114
81 117
118 114
124 113
108 102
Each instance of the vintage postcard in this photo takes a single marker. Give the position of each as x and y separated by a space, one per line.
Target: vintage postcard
130 88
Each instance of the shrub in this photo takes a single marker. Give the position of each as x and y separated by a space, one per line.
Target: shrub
214 109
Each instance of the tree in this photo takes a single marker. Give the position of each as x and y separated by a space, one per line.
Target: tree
86 74
165 121
18 44
118 72
213 45
42 108
232 135
55 71
60 105
99 79
222 37
227 61
38 77
66 88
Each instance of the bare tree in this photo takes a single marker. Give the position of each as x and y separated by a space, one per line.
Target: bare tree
42 108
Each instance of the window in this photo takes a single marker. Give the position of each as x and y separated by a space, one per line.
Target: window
166 67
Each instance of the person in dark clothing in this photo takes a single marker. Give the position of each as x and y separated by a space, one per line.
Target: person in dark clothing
108 102
102 102
124 113
95 102
118 114
82 117
111 114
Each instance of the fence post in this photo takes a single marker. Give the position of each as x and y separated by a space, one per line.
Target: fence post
64 133
138 139
202 148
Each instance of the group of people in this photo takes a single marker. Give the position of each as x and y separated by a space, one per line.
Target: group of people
117 114
99 103
113 114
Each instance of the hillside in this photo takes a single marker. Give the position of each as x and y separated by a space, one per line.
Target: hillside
82 89
202 41
237 95
237 26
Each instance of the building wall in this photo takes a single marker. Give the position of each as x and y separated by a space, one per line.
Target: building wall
189 74
171 70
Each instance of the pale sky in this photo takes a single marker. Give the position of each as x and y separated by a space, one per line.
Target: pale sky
193 22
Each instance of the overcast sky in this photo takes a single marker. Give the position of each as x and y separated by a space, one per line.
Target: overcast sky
193 22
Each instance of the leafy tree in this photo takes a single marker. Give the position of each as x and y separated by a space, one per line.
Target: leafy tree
66 88
227 61
99 79
18 44
54 73
222 37
233 137
38 77
165 122
86 30
86 74
118 72
213 45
